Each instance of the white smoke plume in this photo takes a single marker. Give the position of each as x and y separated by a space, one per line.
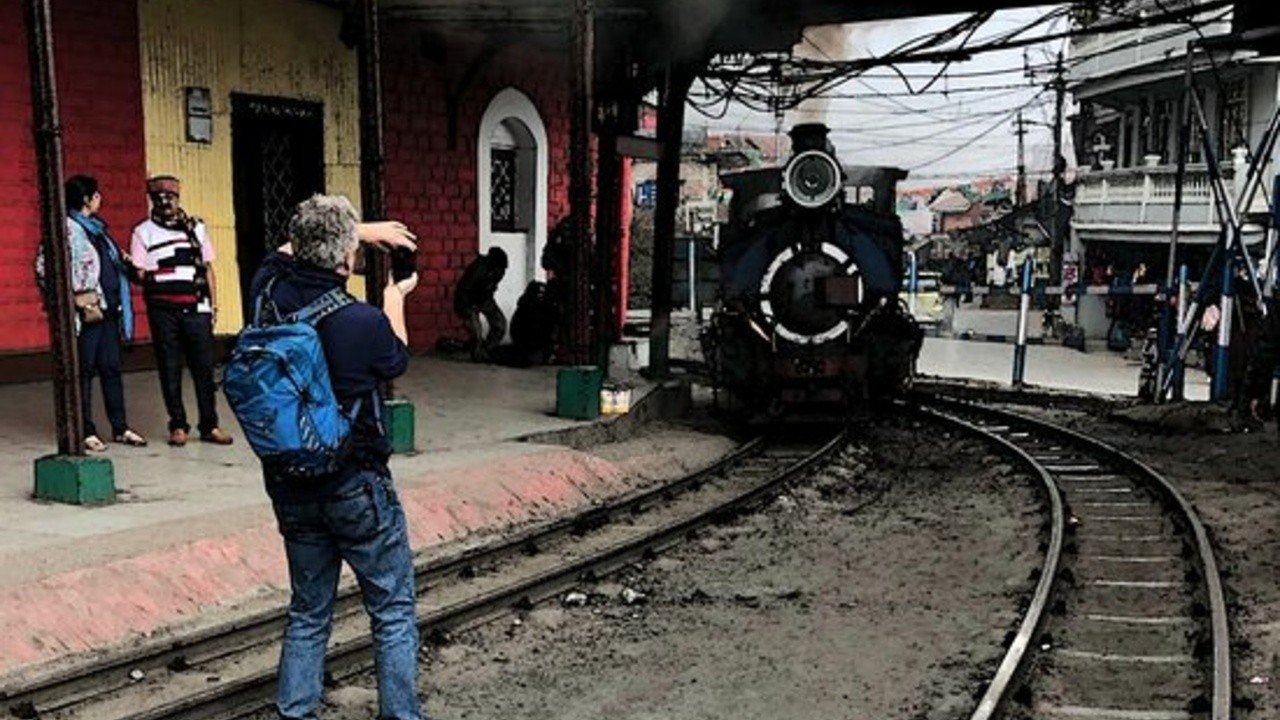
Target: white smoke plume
822 42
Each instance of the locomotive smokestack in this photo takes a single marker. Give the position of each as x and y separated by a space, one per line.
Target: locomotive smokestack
811 136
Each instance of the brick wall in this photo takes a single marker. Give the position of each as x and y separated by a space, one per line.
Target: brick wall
100 91
22 325
432 186
100 98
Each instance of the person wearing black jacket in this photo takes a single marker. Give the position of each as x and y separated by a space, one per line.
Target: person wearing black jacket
1262 363
353 515
473 299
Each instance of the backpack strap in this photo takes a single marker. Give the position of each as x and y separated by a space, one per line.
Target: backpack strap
322 307
265 302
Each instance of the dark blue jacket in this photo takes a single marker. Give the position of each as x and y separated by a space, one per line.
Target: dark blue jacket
362 352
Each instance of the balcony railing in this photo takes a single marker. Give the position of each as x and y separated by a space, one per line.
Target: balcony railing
1141 199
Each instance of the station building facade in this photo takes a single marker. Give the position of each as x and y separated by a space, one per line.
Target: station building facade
255 105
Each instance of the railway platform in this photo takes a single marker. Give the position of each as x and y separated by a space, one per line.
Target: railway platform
192 540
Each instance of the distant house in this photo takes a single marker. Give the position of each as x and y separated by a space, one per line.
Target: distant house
916 217
953 209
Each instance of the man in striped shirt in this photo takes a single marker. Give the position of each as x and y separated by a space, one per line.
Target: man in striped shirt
174 258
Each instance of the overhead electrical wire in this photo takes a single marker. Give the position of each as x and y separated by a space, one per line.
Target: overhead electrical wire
772 83
951 91
971 141
781 84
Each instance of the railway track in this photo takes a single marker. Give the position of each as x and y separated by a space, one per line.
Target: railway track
229 672
1128 621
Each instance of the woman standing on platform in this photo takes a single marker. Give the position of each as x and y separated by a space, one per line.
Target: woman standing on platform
104 310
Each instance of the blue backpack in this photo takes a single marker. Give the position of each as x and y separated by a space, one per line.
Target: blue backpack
277 384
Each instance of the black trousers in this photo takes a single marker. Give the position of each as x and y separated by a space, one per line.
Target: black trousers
99 345
184 336
484 341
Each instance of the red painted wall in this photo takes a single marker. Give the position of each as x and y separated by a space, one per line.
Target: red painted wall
432 186
22 326
100 97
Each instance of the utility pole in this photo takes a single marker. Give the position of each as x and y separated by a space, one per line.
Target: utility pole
1059 163
581 107
1020 196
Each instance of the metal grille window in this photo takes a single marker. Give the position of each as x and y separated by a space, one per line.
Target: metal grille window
279 195
1195 140
1128 136
1233 128
503 190
1160 133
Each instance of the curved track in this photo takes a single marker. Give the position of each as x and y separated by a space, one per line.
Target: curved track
1129 620
229 672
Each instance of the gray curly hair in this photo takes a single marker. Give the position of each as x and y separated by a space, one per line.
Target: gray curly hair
323 230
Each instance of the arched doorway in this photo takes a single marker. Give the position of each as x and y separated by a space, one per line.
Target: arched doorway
511 175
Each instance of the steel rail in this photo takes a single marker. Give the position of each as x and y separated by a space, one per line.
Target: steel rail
1220 704
73 685
1016 657
246 696
242 696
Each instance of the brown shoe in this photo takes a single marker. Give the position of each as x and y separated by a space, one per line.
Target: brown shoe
178 437
217 437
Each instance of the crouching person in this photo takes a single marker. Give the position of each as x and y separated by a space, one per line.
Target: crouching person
345 508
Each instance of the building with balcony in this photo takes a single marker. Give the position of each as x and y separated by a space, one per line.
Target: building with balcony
1130 88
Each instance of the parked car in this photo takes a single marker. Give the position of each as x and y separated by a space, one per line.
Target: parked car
926 305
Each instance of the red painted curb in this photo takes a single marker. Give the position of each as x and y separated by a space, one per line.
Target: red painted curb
96 608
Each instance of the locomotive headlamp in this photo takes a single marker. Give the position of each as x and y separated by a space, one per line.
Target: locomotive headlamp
811 179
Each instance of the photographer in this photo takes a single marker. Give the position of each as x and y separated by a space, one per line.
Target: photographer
352 514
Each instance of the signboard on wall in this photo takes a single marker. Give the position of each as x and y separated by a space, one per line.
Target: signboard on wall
647 194
1070 276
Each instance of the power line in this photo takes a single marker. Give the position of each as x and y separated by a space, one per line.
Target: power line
969 142
950 122
968 74
880 94
760 83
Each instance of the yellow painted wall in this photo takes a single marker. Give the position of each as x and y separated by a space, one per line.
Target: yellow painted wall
282 48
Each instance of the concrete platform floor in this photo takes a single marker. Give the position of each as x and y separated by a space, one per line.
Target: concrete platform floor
193 529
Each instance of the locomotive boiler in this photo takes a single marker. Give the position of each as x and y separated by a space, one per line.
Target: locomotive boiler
808 315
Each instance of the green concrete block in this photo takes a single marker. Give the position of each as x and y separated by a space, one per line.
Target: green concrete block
75 480
401 425
578 392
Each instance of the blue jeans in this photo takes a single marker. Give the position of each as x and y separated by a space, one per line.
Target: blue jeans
364 525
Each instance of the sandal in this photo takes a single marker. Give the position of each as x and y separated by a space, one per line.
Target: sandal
93 443
131 438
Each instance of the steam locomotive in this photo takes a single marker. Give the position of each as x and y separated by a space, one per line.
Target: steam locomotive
808 315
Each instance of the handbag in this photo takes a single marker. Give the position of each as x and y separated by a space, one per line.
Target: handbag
89 306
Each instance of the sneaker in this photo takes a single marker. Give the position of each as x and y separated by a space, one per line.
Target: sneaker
217 437
178 437
131 438
93 443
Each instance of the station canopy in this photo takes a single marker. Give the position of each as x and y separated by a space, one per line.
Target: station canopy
664 31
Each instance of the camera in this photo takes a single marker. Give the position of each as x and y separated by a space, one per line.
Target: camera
404 263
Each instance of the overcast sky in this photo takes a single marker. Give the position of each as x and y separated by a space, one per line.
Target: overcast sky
876 120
